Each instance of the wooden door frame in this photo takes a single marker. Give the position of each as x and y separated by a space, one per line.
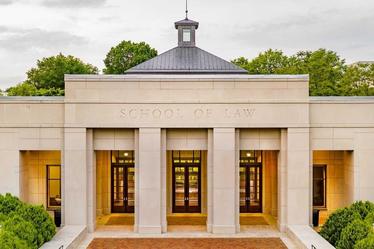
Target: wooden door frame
186 208
126 208
247 208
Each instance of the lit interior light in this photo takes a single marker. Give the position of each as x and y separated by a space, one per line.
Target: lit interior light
126 154
248 154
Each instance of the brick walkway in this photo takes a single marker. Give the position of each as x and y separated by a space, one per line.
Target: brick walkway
203 243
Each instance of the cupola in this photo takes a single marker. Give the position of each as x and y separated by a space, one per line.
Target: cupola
186 31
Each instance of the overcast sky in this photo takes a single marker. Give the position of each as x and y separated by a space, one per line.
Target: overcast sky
32 29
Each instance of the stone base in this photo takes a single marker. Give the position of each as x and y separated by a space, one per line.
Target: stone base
223 229
149 229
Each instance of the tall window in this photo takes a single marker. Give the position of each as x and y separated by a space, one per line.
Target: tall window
53 186
186 35
319 186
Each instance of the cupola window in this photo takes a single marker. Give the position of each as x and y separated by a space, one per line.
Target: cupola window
186 35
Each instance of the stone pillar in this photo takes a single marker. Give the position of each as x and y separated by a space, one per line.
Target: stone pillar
75 176
163 182
282 182
150 181
237 180
136 208
210 182
363 162
224 185
10 162
91 182
298 176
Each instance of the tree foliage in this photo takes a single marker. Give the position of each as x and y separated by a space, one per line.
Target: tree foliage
347 227
47 78
126 55
329 75
354 232
27 226
358 80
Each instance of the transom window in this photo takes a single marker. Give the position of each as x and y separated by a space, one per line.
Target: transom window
53 186
123 156
186 35
319 186
186 156
250 156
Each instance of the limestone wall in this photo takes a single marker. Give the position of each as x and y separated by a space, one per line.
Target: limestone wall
33 175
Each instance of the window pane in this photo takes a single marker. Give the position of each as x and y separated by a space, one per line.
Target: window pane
186 35
319 186
54 172
54 186
54 197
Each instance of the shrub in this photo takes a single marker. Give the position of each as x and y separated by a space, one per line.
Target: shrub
9 240
30 224
363 208
367 243
23 229
337 221
42 222
370 218
9 203
352 233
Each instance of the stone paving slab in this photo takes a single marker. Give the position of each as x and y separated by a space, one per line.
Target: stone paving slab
187 243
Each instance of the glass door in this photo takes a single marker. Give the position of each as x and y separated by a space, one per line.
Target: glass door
250 175
130 193
193 198
186 182
118 189
123 182
254 185
180 199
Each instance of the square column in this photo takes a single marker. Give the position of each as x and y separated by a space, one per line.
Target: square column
91 181
224 181
210 182
10 163
75 177
298 176
362 187
282 182
149 187
163 182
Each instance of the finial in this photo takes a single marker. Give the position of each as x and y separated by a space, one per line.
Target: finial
186 9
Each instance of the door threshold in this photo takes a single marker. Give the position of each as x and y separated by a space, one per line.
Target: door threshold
186 214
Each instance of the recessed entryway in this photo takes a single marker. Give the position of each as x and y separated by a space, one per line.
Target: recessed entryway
115 189
258 179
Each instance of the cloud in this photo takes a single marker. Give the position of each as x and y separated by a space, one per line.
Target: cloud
332 29
6 2
72 3
18 39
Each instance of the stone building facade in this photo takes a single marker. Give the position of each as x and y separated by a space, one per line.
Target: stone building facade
193 135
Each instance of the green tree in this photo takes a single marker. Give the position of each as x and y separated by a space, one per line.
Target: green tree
22 89
268 62
47 79
358 80
126 55
325 68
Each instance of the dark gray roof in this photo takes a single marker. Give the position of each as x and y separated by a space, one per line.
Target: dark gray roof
186 22
186 60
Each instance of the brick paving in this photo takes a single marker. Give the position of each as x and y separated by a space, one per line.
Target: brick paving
187 243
